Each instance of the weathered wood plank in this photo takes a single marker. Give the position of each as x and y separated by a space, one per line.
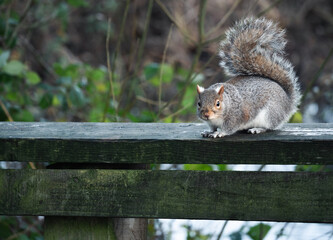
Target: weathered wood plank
162 143
74 228
264 196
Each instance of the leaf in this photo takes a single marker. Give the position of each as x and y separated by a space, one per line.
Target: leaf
46 100
76 97
222 167
236 236
167 73
308 168
190 97
66 81
24 116
32 78
296 118
153 73
14 68
96 75
155 81
202 167
3 58
78 3
258 231
151 70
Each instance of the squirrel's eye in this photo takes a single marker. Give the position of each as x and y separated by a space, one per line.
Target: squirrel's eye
218 103
199 104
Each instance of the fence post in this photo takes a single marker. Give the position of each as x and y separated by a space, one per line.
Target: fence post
73 228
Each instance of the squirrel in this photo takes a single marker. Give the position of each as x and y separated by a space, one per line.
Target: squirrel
263 92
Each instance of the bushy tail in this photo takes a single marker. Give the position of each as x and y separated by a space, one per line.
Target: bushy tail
256 47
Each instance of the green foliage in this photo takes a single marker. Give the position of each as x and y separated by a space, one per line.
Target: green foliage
202 167
311 168
296 118
258 232
14 68
154 72
236 236
205 167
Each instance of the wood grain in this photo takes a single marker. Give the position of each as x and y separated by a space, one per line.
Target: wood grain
162 143
262 196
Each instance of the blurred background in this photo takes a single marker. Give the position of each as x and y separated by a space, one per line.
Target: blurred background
139 61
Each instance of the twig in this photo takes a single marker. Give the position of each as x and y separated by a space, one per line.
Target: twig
26 230
222 230
261 167
124 88
176 113
161 68
10 119
201 23
280 233
145 31
111 91
225 17
182 30
32 165
22 18
202 15
37 57
7 19
317 75
146 100
192 78
263 12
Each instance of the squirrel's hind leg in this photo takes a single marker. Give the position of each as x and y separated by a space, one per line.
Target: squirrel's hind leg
256 130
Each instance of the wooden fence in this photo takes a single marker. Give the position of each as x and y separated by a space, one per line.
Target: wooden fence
99 185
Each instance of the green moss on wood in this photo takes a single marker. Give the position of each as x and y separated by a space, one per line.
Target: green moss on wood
264 196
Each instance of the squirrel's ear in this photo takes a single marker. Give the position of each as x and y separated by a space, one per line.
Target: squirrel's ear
200 89
220 90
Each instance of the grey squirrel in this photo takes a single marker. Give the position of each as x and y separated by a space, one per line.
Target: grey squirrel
263 93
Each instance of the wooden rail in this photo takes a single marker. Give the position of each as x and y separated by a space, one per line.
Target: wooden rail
162 143
96 192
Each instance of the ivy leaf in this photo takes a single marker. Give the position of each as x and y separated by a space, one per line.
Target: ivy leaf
258 231
46 100
14 68
151 70
201 167
167 73
77 97
3 58
32 78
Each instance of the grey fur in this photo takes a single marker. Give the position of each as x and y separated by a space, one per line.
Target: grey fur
264 92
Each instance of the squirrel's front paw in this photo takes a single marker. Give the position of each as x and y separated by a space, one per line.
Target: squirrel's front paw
206 133
216 134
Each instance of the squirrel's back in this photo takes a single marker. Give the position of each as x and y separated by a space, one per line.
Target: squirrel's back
255 47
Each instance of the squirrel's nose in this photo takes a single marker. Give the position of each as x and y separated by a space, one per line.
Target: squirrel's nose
206 114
